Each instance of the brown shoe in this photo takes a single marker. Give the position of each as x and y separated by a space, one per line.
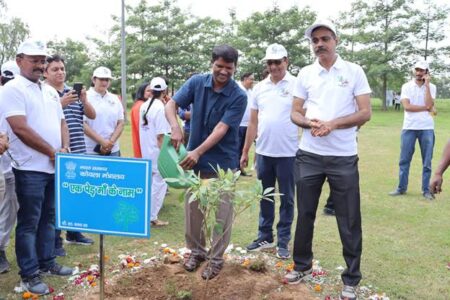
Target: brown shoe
193 262
211 271
159 223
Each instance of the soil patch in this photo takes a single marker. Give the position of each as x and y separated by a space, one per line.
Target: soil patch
234 282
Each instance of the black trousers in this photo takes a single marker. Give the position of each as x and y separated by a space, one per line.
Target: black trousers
311 170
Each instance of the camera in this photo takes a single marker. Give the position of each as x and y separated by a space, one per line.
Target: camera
78 86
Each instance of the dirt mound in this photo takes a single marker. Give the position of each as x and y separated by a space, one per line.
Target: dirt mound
173 282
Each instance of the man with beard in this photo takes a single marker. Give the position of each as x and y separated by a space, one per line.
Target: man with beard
417 98
218 104
331 99
39 131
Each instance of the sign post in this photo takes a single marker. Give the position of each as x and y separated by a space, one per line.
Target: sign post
103 195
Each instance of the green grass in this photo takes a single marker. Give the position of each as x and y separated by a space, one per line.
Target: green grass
406 239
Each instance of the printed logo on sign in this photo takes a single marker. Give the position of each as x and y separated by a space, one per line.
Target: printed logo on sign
70 173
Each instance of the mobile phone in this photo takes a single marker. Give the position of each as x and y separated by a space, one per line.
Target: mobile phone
78 86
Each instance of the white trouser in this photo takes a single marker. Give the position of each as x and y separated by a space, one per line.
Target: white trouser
159 189
8 208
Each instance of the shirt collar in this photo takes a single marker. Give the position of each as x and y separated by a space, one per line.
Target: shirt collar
226 90
98 94
28 82
338 64
285 78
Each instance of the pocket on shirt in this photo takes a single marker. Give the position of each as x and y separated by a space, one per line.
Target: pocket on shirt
214 118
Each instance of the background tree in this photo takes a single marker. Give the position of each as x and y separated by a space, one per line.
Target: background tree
76 57
430 34
12 32
274 26
377 33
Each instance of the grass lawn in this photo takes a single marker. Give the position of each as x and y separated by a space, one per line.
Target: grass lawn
406 240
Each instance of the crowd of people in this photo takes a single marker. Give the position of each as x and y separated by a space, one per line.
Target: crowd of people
222 119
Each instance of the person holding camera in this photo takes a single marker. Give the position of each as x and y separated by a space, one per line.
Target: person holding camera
417 98
75 106
102 133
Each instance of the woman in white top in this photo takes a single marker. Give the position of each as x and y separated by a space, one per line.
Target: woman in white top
102 133
152 127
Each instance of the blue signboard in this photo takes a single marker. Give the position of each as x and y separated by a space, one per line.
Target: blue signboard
104 195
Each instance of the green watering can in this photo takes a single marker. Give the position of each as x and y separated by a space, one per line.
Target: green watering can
168 162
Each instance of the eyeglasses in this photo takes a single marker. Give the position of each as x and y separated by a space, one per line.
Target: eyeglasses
274 62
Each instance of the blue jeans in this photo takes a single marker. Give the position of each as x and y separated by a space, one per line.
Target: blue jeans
426 143
281 170
35 231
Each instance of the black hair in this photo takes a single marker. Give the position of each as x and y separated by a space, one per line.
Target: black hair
141 91
7 76
226 52
246 75
265 73
156 94
55 57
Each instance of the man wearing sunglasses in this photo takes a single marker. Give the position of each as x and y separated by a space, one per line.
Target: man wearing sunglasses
34 113
275 148
331 100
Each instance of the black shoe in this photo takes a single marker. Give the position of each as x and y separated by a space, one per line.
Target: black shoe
79 239
257 245
4 263
34 284
57 270
329 211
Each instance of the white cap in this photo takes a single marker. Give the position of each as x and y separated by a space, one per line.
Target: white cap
102 72
422 64
10 69
33 48
158 84
317 24
275 51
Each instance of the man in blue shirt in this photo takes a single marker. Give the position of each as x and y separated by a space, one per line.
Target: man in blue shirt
218 104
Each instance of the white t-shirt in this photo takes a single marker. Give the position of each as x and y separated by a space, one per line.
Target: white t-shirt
5 161
329 95
109 111
39 103
246 116
420 120
277 136
157 124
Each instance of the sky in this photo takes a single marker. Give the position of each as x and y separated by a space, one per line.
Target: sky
61 19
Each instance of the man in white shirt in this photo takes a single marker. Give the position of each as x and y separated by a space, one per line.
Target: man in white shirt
8 199
38 132
331 99
275 148
417 98
246 84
